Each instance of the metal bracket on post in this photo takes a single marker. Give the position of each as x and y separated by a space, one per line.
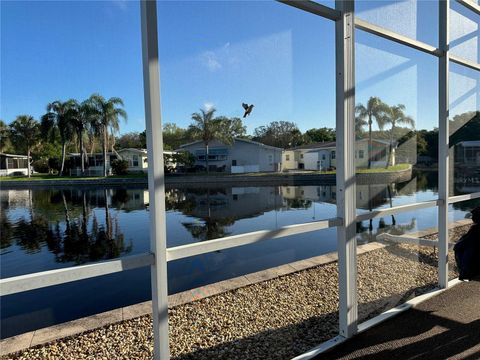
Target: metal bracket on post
156 183
346 196
443 143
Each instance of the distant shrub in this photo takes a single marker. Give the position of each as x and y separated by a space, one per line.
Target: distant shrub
41 166
54 164
119 167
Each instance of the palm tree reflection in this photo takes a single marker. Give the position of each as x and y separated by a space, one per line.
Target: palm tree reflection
207 201
78 237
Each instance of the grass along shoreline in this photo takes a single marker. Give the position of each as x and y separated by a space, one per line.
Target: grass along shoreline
43 177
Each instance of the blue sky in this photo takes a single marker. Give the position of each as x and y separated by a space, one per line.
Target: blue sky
221 54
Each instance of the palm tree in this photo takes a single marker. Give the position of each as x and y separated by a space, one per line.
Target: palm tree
396 115
375 108
59 118
207 128
4 136
107 120
26 131
81 116
359 124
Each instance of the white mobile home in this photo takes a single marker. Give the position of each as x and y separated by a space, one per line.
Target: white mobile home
322 156
93 164
468 153
13 164
137 159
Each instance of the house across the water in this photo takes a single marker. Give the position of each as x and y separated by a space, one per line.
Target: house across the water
11 164
137 159
243 156
468 153
322 156
93 164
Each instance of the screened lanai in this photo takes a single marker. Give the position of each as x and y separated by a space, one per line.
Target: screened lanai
334 252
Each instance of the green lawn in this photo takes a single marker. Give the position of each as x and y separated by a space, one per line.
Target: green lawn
398 167
36 177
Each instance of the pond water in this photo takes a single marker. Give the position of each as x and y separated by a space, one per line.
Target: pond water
51 228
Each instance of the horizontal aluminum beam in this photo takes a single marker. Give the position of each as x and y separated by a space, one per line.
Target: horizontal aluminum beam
398 209
469 4
323 347
459 198
183 251
390 35
43 279
467 63
314 8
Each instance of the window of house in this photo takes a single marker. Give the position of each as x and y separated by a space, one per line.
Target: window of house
287 157
135 160
360 154
301 156
333 154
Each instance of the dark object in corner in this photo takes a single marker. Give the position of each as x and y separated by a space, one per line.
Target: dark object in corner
467 250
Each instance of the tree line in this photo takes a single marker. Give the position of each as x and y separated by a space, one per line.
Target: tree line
207 127
90 125
66 126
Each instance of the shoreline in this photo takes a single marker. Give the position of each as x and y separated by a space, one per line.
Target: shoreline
187 298
381 177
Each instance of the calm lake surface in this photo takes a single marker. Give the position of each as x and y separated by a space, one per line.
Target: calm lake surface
51 228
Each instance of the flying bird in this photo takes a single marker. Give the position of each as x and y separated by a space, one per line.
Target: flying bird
248 109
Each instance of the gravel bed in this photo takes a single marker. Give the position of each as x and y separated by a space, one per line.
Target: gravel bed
276 319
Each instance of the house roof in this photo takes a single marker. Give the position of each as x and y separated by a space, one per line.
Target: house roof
14 156
470 143
140 151
88 154
237 139
331 145
326 144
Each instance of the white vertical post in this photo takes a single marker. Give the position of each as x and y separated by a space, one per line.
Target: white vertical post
346 196
156 185
443 143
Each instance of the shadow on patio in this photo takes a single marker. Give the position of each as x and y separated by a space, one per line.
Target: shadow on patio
446 326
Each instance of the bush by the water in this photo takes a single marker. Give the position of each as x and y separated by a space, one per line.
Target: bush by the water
41 166
54 164
119 167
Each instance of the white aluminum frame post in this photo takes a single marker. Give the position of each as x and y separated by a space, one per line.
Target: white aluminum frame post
346 196
443 142
156 183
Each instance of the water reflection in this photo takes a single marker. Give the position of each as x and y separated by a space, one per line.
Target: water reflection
79 225
63 221
43 229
